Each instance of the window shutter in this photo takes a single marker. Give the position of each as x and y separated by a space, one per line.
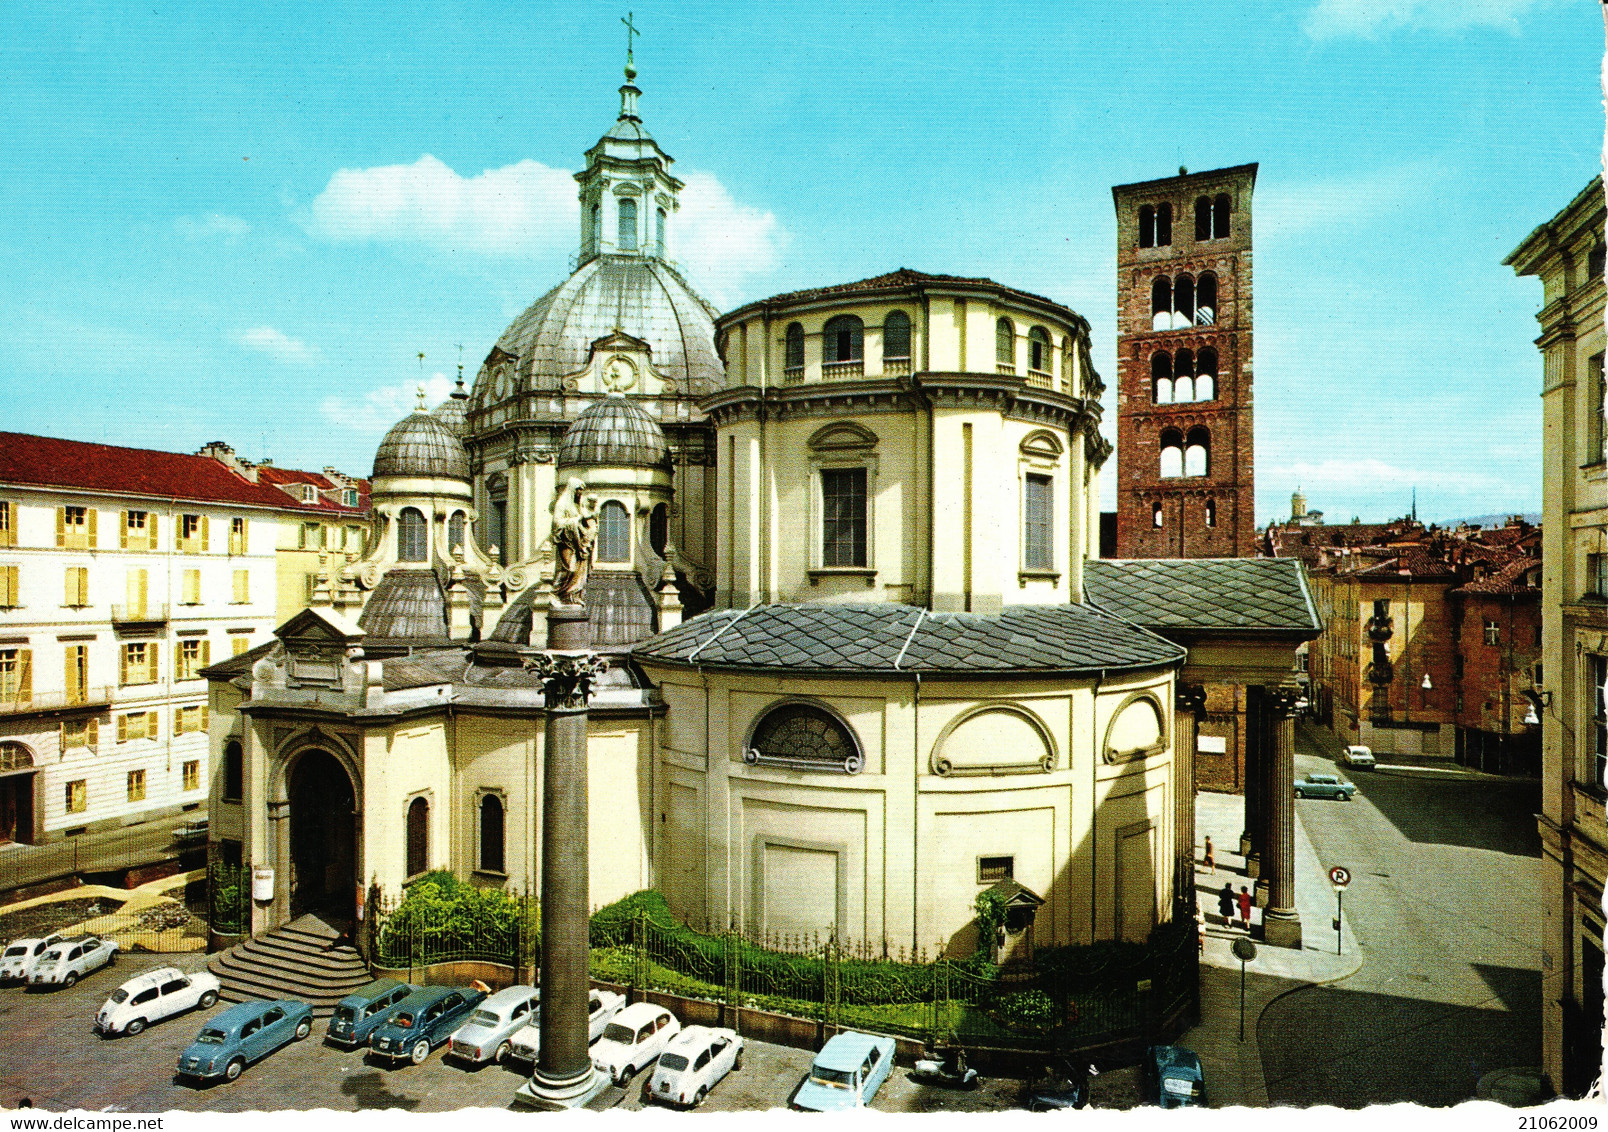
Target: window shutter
151 668
204 541
178 722
245 533
7 527
91 521
71 668
72 587
83 585
206 652
122 529
61 526
94 730
122 662
24 676
203 717
150 725
61 738
122 729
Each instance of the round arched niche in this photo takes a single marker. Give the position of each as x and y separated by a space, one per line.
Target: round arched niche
803 735
1137 730
994 739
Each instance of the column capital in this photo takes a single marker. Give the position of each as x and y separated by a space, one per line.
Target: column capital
1285 701
567 677
1191 698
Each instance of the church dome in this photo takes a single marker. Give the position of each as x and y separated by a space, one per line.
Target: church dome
640 295
614 432
420 446
454 411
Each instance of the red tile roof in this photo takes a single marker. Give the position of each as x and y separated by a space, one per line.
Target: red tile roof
268 473
48 461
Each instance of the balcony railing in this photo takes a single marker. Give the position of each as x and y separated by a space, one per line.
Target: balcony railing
1005 368
14 704
896 367
793 373
1041 378
149 613
840 370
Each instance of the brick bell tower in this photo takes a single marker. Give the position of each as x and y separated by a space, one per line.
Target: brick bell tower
1185 482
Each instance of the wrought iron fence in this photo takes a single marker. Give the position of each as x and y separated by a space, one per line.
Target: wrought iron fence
485 925
95 851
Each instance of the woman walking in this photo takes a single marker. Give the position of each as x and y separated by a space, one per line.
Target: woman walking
1225 903
1245 906
1211 858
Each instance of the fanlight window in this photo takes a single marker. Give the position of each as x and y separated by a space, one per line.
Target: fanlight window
896 335
804 737
14 757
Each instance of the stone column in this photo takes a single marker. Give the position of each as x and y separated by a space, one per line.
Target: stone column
1281 924
1189 704
1255 760
277 911
564 1077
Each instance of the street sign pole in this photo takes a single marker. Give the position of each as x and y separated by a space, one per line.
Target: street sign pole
1339 876
1244 951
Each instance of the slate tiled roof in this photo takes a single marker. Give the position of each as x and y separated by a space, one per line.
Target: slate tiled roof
894 280
614 432
421 445
1206 594
887 638
406 605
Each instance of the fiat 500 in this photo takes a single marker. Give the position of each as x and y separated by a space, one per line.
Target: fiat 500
636 1036
694 1062
72 959
17 962
425 1019
243 1034
154 996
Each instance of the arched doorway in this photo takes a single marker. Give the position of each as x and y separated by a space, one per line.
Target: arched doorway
323 839
16 793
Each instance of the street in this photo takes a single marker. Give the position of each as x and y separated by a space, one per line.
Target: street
1445 865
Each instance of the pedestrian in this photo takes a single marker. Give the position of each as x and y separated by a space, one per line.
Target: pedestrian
1200 931
1225 903
1245 906
1211 857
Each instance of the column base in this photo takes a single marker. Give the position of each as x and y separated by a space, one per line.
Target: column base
1253 865
563 1095
1281 929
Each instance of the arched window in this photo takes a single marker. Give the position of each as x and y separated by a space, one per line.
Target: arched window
795 350
418 836
843 340
628 225
1161 303
457 527
1183 302
1198 453
1163 225
658 241
1211 512
1156 517
596 230
1005 346
1038 350
1206 300
491 833
1220 209
412 536
896 336
1172 454
1203 218
613 533
804 736
1161 377
1206 374
234 773
659 529
1184 367
1147 226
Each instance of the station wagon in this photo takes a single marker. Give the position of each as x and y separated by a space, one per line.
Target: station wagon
360 1012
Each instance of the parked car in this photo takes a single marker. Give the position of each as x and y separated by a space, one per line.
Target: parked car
154 996
191 832
846 1073
485 1037
1324 786
243 1034
20 956
693 1062
424 1020
1061 1085
360 1012
633 1039
71 959
601 1007
1174 1076
1355 755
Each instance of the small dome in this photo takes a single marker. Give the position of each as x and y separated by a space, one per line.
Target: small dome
454 411
614 432
421 446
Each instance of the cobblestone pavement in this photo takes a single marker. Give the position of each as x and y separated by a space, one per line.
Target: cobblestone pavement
50 1054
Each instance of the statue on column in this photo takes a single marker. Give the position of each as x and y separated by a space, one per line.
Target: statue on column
574 533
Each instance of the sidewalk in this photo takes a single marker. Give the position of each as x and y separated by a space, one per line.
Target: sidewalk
1234 1068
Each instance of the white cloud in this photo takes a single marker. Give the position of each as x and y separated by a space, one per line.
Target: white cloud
1289 208
1335 19
379 409
721 242
214 225
277 345
515 210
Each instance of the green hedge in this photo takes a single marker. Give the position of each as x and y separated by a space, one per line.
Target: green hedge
443 917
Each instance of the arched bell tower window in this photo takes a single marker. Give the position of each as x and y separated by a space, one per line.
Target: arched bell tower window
1157 519
1206 300
1220 210
1183 302
1184 367
1198 453
1161 303
412 536
1147 226
1161 385
613 533
418 836
804 737
1172 454
1206 374
1211 512
1203 218
1163 224
628 225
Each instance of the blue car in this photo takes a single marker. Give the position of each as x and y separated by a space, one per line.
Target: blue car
357 1015
422 1021
846 1073
243 1034
1175 1077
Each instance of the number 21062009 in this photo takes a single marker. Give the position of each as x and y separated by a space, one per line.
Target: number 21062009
1556 1123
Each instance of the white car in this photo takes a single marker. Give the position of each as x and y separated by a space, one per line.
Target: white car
486 1035
694 1062
602 1006
154 996
71 959
17 962
637 1035
1357 756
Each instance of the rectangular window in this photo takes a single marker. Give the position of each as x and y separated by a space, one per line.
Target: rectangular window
242 587
1038 551
1596 408
10 587
75 528
139 662
8 530
136 590
77 796
242 643
993 869
1493 633
192 774
1599 719
192 534
78 586
194 655
136 725
843 517
136 786
1596 575
16 676
80 733
349 497
192 587
237 535
190 720
76 672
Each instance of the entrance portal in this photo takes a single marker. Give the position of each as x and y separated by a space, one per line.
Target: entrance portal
323 839
16 793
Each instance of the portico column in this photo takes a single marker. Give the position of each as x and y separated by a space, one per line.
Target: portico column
1281 924
278 910
1189 703
1255 760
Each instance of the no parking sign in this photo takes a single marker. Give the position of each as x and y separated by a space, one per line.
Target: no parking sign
1339 876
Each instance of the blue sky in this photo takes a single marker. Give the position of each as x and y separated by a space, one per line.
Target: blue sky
244 222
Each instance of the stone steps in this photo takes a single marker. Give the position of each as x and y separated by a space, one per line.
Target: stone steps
300 960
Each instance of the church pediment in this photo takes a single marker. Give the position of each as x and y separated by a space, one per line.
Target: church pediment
318 627
620 363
